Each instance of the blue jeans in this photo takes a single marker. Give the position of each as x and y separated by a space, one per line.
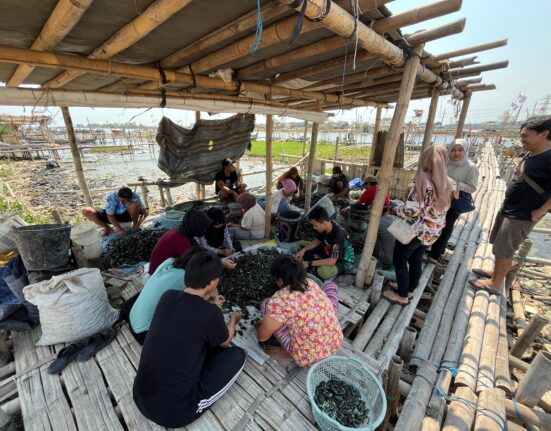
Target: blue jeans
408 264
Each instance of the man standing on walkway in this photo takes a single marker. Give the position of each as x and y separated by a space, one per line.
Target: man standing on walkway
527 200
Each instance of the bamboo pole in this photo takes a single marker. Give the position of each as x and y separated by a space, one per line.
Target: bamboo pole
464 82
392 391
311 160
460 416
343 24
463 115
413 410
370 325
376 343
502 379
519 413
269 128
429 127
385 173
491 413
470 50
518 311
524 341
406 343
469 71
304 138
61 21
376 288
425 36
376 128
76 156
146 22
470 61
537 380
434 413
486 365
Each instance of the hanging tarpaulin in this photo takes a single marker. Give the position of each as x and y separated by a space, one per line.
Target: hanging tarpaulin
196 154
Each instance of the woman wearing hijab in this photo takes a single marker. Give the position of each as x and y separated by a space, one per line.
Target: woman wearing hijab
425 209
217 239
465 174
174 242
253 221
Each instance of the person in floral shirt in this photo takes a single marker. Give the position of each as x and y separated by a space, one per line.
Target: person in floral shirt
425 210
301 315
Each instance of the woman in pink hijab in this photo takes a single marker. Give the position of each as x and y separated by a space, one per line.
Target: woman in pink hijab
425 209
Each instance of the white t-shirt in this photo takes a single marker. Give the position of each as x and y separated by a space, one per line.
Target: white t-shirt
277 197
255 221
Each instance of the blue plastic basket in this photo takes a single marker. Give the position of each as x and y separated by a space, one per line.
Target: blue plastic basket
355 373
172 219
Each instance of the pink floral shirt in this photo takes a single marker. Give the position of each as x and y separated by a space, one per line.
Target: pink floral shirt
312 322
425 219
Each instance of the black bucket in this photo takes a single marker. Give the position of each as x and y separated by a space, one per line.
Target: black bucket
358 217
43 246
289 223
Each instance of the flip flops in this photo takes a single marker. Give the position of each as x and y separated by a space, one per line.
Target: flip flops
66 355
394 288
394 301
95 343
476 284
481 273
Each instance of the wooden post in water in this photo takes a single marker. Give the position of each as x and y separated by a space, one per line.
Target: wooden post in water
311 159
463 115
385 173
76 156
269 130
376 128
427 137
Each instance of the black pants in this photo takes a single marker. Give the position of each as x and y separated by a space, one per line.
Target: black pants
125 315
408 264
320 251
438 248
221 369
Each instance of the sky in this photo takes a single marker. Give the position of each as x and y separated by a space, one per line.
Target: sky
525 24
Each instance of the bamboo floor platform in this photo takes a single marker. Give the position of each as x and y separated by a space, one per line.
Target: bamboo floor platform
97 394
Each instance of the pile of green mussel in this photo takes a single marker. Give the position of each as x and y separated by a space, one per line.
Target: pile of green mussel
342 402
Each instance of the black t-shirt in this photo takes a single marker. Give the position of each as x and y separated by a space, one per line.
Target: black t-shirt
335 243
520 198
183 329
228 181
336 185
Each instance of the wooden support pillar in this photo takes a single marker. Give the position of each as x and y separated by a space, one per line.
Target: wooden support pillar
269 130
427 137
385 173
376 128
406 343
311 159
169 196
304 138
537 380
463 115
145 193
76 156
162 194
336 156
197 116
392 390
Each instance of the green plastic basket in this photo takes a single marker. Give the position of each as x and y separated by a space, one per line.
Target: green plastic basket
355 373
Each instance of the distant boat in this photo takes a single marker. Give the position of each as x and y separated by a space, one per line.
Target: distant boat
116 131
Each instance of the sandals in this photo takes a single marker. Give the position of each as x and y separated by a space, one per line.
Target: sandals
477 286
394 288
95 343
395 301
481 273
66 355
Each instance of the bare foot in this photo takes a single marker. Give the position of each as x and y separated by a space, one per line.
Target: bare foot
394 297
278 353
106 231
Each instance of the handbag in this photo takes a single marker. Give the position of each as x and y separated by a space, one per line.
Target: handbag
464 203
402 230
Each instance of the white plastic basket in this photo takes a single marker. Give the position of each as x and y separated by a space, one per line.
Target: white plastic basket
355 373
7 238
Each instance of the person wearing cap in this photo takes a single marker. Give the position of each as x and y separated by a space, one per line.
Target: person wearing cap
227 182
282 198
338 184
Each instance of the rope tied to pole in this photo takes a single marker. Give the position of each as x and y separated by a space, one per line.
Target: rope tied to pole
258 36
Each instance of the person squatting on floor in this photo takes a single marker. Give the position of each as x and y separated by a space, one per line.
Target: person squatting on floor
425 210
527 200
186 364
302 316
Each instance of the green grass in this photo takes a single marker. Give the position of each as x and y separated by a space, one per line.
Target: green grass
111 149
16 206
323 151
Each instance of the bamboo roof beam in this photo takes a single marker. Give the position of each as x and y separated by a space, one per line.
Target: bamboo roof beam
480 87
364 76
445 30
85 65
381 26
460 73
50 97
465 82
150 19
469 61
64 17
342 23
470 50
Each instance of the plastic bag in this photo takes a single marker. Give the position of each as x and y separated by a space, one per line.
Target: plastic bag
72 306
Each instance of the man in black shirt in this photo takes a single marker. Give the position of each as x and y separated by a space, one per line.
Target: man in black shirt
331 253
527 200
227 185
338 184
186 364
